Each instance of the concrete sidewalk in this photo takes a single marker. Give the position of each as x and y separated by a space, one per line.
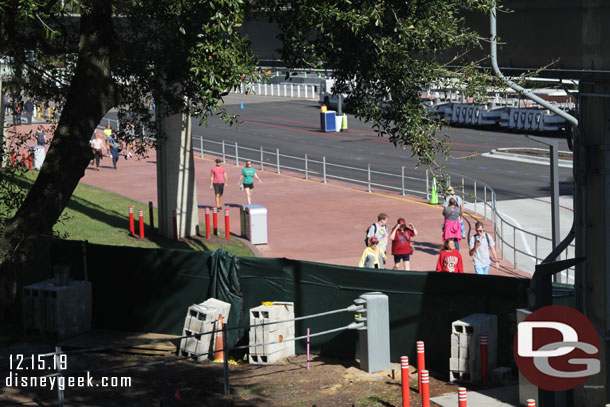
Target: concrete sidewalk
307 219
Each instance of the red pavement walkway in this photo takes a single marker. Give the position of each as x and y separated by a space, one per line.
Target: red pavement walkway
307 219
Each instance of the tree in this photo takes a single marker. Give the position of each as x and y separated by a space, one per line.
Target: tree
112 54
91 56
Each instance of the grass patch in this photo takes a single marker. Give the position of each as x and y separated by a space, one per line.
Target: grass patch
102 217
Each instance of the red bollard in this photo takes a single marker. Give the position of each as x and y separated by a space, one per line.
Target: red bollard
425 388
131 228
141 221
462 397
207 223
23 157
404 376
30 161
227 231
484 365
13 158
151 216
421 363
175 224
215 220
531 403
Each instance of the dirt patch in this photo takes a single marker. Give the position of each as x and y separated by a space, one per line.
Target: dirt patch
172 381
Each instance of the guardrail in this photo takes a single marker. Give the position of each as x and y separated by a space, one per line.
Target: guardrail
291 90
482 200
311 167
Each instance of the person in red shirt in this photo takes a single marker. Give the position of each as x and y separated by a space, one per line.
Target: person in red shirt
401 243
450 260
218 179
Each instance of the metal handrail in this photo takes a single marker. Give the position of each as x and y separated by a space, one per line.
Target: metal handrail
226 147
498 222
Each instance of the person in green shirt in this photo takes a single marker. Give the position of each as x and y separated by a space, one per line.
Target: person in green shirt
247 177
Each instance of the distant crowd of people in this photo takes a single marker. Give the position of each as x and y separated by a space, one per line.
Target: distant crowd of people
481 245
18 108
109 144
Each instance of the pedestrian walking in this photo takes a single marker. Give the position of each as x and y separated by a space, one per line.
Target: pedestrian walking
6 99
29 110
218 179
40 136
17 113
108 133
480 245
401 237
459 202
450 260
130 138
451 225
113 143
379 230
372 256
97 145
247 176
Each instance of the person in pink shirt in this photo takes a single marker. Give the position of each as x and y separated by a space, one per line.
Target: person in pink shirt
218 179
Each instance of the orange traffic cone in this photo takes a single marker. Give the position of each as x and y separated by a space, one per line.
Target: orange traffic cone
218 350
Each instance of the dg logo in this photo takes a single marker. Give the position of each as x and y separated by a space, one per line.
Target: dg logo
556 348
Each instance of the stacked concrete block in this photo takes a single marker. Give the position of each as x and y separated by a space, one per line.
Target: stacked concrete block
57 311
202 318
267 342
465 360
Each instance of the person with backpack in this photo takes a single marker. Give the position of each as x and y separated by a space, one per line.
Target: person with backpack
379 230
372 256
401 237
481 244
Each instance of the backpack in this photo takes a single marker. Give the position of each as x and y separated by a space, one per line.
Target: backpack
366 234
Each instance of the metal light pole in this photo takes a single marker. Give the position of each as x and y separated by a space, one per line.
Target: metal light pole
554 156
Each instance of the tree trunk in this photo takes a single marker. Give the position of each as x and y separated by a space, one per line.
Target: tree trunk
90 96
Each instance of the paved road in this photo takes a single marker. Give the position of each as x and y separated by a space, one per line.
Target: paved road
292 126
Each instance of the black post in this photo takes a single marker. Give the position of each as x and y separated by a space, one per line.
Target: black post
225 357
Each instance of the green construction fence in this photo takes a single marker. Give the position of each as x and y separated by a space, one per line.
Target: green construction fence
149 290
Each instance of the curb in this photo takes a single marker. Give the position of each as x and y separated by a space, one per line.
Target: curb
496 153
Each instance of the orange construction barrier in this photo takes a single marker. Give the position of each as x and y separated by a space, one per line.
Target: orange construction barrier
218 349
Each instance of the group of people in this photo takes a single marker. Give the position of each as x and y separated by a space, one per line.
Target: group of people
219 179
377 237
112 143
18 109
481 245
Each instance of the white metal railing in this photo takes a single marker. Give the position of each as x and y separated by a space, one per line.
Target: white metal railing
311 167
482 200
290 90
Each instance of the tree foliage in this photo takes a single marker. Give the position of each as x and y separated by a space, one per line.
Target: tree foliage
384 54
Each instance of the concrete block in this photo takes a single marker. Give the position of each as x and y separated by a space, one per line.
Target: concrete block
224 308
465 344
501 375
458 365
195 346
263 333
57 312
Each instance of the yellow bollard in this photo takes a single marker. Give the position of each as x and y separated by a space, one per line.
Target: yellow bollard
48 114
38 109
